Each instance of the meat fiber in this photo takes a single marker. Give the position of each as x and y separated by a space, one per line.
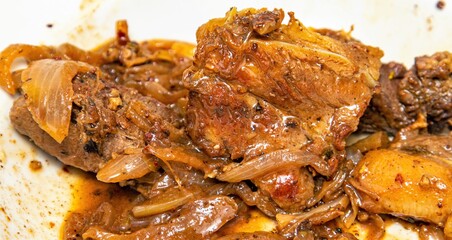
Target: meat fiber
258 86
424 89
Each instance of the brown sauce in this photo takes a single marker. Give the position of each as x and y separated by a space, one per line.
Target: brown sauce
87 195
252 220
35 165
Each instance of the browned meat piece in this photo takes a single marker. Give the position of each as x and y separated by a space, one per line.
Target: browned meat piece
424 89
71 151
259 86
102 123
289 188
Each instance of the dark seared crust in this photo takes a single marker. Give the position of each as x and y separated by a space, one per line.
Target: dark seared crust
424 89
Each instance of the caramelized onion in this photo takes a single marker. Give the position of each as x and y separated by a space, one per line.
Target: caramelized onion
245 193
72 52
197 220
429 232
352 212
157 91
136 113
183 154
47 85
252 236
377 229
179 48
171 199
374 141
289 222
32 53
125 167
329 186
11 53
269 162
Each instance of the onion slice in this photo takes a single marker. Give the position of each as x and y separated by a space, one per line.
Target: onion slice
272 161
33 53
350 215
198 219
47 85
125 167
287 223
183 154
171 199
329 186
14 51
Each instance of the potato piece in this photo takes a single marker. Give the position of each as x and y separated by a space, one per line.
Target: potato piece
393 182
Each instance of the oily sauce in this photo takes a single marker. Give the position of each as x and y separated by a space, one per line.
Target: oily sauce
87 195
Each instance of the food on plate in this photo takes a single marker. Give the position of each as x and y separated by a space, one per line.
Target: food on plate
277 98
243 135
93 110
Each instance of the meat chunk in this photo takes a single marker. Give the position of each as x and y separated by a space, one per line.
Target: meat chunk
423 89
251 91
289 188
101 123
258 86
131 98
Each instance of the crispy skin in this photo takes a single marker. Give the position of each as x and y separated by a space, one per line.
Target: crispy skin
258 86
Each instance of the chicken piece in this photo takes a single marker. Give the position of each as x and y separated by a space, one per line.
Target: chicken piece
405 185
259 86
425 89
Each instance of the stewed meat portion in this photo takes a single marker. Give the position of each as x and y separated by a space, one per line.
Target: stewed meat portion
265 91
102 123
424 89
126 95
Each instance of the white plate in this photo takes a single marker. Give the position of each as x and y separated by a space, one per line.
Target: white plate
33 204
